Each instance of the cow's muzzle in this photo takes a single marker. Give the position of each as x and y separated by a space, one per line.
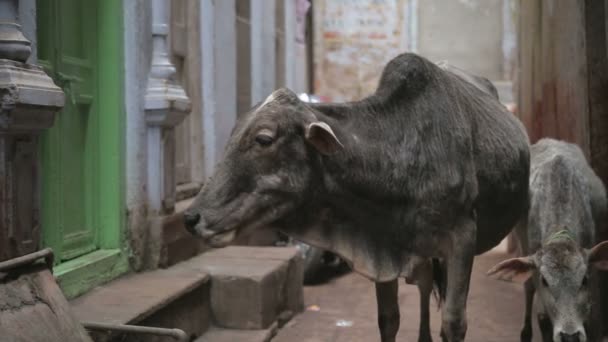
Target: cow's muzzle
191 220
576 337
570 337
196 225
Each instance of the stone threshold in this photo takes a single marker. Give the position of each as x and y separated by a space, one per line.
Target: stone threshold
138 298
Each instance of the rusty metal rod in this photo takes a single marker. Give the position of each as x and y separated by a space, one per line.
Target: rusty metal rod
177 334
27 259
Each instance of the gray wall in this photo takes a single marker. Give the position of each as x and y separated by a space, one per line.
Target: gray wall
466 33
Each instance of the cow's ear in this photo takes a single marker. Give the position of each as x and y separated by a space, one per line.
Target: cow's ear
516 269
321 136
598 256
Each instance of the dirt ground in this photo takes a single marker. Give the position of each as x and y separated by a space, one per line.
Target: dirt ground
344 310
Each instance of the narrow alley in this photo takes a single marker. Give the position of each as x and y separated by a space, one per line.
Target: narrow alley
344 310
179 170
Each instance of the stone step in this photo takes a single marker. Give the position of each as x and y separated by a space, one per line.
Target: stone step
177 297
215 334
251 286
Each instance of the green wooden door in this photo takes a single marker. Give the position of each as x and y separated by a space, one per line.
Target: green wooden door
80 45
70 155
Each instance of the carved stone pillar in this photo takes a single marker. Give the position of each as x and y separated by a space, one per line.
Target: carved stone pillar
166 105
28 102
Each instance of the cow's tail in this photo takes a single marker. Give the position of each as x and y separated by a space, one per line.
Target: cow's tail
439 280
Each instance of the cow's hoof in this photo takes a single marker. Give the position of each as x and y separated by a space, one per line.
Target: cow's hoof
426 338
526 334
453 331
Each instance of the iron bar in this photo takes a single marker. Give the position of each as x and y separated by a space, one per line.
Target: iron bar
27 259
177 334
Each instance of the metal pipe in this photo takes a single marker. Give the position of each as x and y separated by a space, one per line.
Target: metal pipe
46 253
177 334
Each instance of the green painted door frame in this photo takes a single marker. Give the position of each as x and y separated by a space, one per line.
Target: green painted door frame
81 45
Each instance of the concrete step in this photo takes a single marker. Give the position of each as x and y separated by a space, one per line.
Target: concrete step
237 287
251 286
215 334
177 297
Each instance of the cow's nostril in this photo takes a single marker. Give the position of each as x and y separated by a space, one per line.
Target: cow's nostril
191 219
576 337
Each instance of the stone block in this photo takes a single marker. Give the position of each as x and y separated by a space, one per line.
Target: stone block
251 286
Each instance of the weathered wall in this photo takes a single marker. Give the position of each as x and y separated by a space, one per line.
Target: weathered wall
563 74
354 39
467 33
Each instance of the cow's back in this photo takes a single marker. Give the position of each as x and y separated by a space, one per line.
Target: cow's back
501 157
564 190
426 150
476 150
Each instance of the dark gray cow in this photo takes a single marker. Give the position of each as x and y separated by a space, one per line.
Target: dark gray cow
566 201
478 81
429 166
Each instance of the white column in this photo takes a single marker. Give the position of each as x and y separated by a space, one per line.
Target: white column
262 49
166 104
218 75
13 45
207 45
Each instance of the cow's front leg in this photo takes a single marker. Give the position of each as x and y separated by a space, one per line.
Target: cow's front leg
459 263
424 279
546 327
526 332
388 309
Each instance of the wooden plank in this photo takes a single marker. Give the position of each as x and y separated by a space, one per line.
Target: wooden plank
597 63
568 83
553 70
525 79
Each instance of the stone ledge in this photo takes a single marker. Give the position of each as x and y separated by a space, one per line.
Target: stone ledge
143 298
251 286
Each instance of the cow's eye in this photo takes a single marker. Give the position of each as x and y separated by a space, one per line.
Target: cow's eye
264 139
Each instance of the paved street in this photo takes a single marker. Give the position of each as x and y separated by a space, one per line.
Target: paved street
347 310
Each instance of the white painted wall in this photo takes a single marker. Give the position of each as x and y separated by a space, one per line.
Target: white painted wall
137 50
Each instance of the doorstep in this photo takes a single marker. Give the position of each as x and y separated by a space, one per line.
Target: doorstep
236 291
177 297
